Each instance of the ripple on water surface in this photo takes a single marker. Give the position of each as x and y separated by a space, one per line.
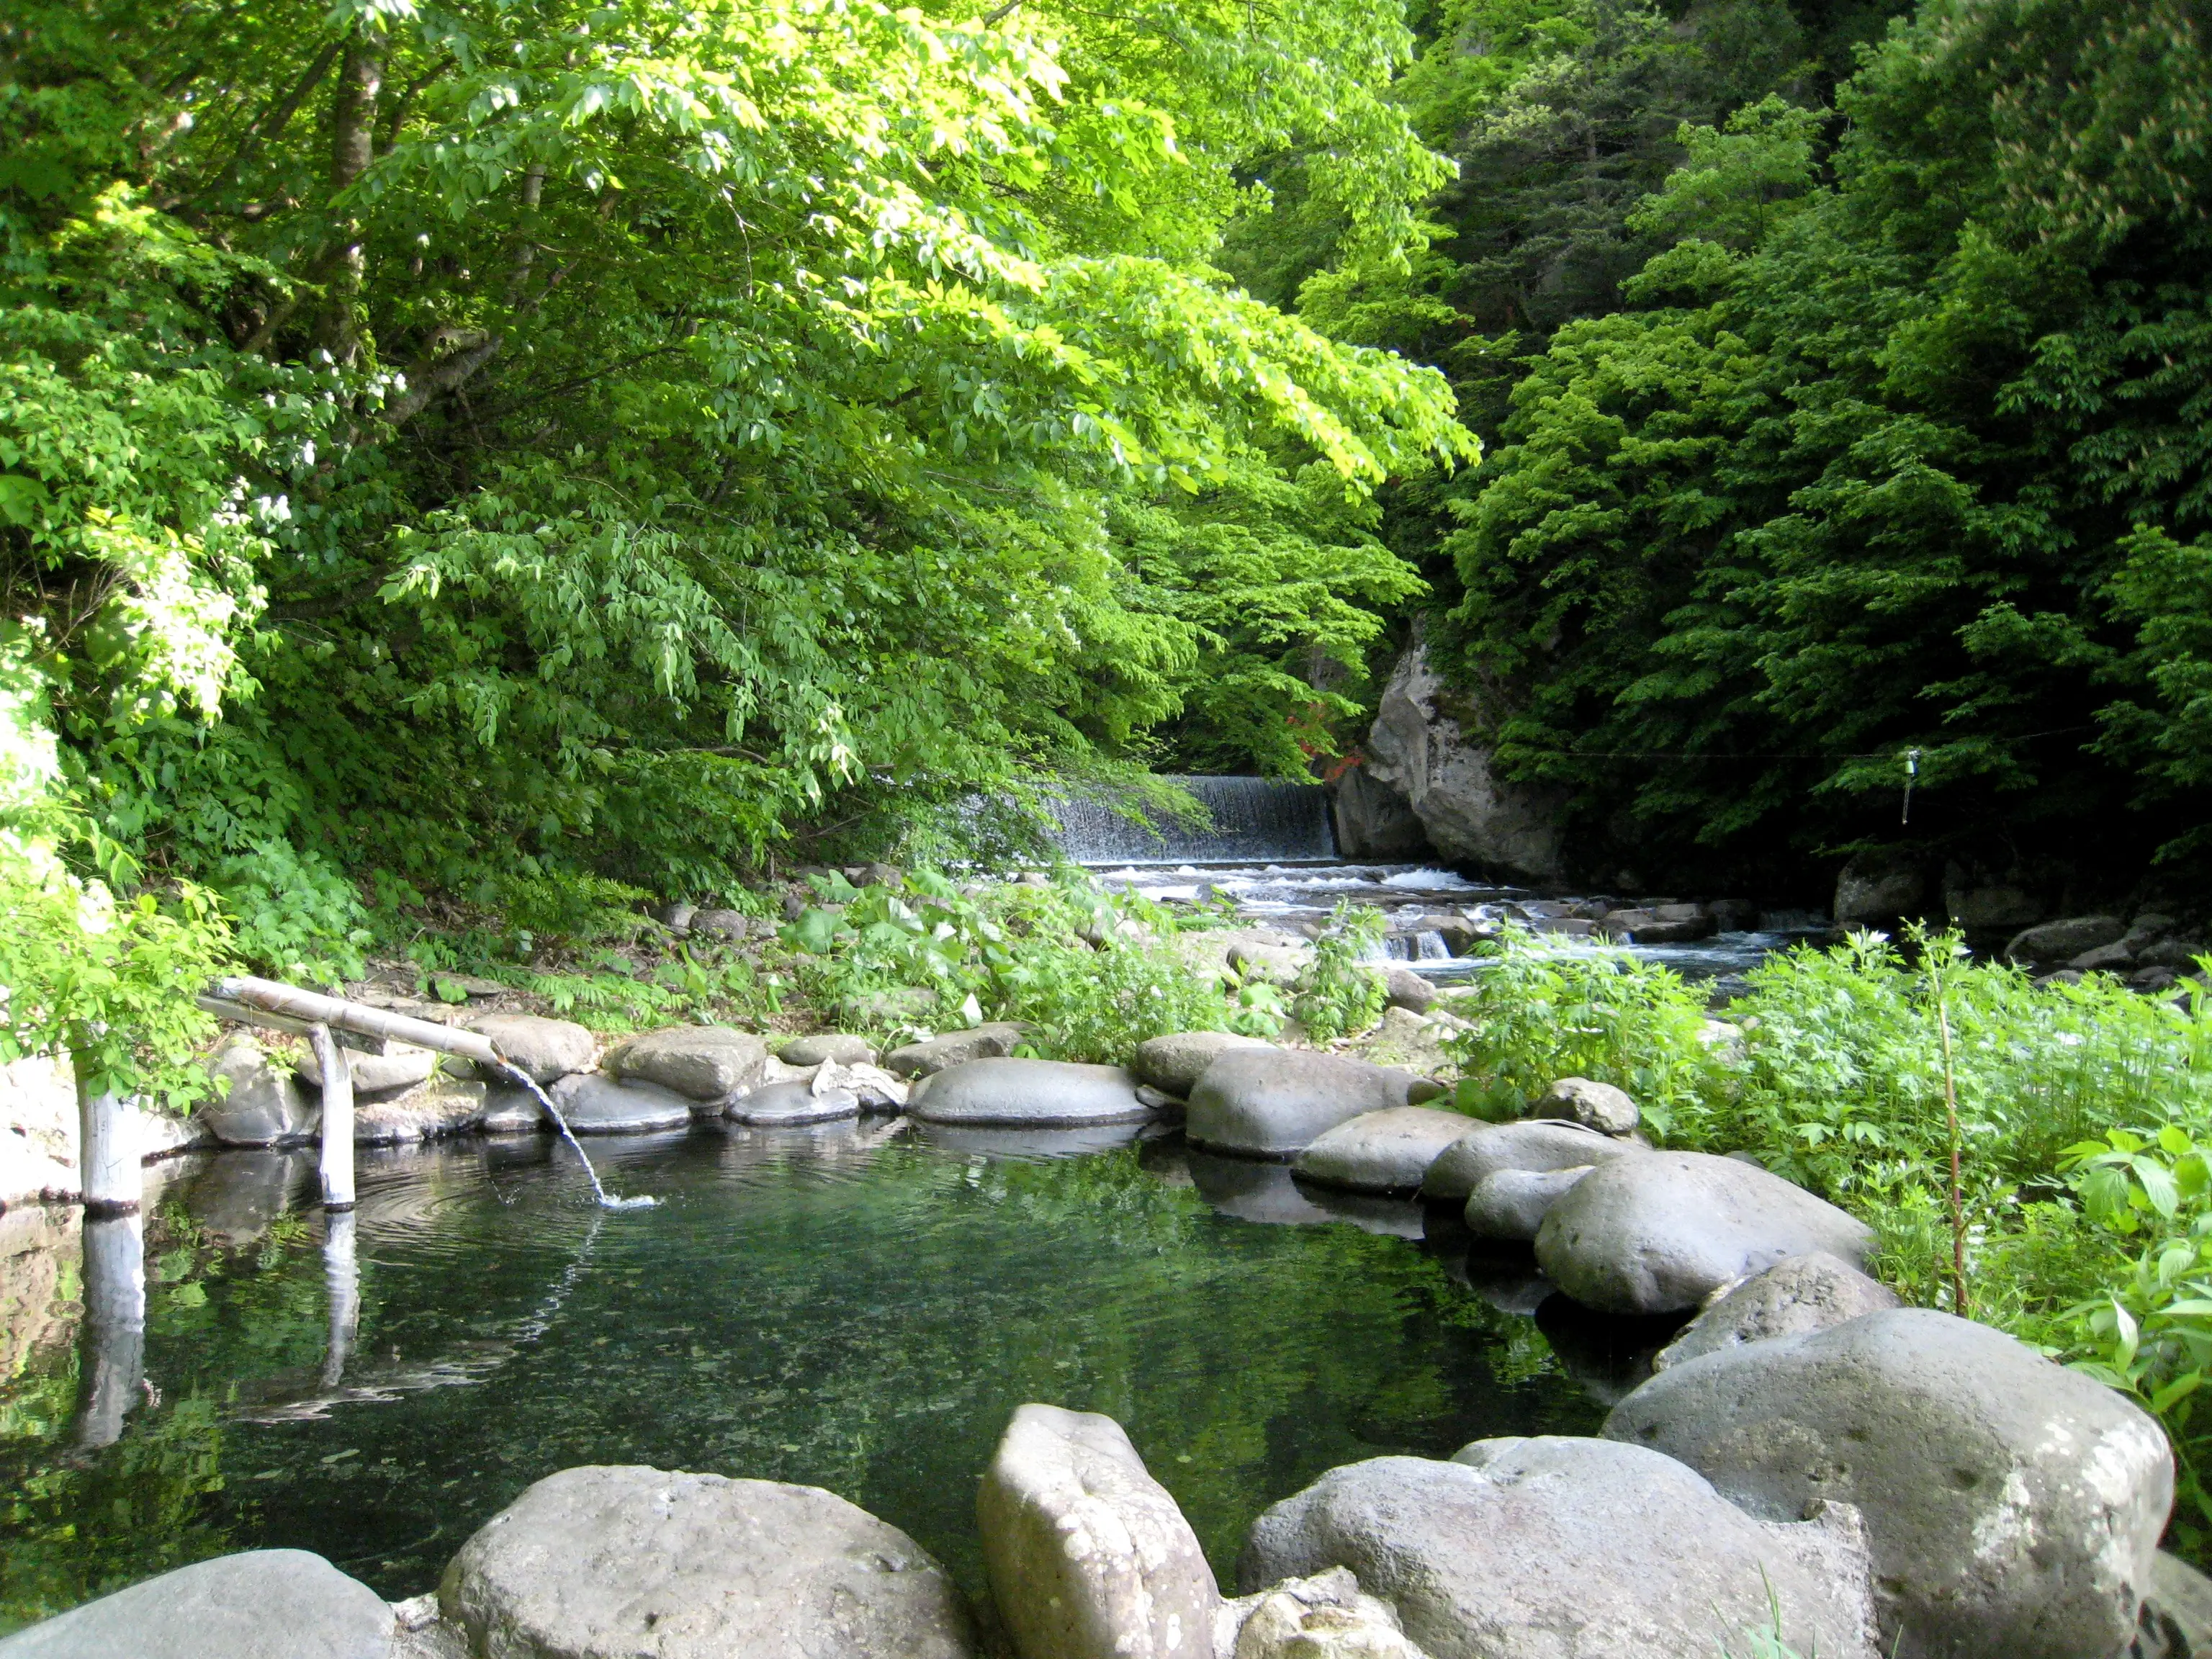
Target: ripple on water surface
823 1305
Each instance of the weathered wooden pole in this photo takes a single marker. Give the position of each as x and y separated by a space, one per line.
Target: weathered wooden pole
109 1173
338 1119
287 1008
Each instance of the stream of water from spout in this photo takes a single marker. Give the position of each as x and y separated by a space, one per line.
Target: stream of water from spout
607 1200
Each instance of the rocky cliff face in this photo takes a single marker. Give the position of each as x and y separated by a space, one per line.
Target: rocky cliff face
1421 751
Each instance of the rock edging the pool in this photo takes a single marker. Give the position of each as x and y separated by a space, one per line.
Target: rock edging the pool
1808 1460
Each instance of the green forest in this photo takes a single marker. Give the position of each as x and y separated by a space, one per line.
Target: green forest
492 459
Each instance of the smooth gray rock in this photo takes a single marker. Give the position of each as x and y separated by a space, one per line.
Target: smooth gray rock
813 1050
1659 1232
1173 1063
511 1110
1374 821
265 1105
1794 1297
1384 1151
992 1039
594 1104
793 1103
998 1090
1558 1548
607 1562
1881 887
1598 1106
437 1109
2065 939
262 1604
1513 1203
1537 1145
1404 988
1276 1103
1088 1556
398 1069
729 926
699 1062
2013 1507
545 1048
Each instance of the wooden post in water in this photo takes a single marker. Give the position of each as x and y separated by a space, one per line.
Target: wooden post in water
338 1119
108 1169
342 1281
111 1363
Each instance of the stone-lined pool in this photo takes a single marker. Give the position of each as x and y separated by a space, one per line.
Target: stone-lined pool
816 1305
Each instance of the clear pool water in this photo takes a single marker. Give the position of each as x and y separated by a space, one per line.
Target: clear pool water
811 1305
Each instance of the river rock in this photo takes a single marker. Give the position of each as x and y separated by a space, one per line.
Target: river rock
700 1062
793 1103
262 1604
1420 747
1173 1063
432 1111
2013 1507
1880 888
1558 1548
1660 1232
1404 988
1513 1203
1598 1106
1537 1145
603 1561
398 1068
1088 1556
1276 1103
1045 1092
813 1050
544 1049
265 1106
1805 1293
594 1104
1384 1151
1323 1617
2061 941
988 1041
729 926
511 1110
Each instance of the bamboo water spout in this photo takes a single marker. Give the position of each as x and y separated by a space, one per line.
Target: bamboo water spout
269 1002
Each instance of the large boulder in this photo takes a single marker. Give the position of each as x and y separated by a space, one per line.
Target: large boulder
1880 888
984 1042
1557 1548
606 1562
545 1048
1375 821
1420 747
1173 1063
1384 1151
699 1062
1275 1102
263 1604
1543 1143
2061 941
1660 1232
2013 1507
1088 1556
1511 1204
1045 1092
263 1105
434 1110
400 1067
1794 1297
593 1104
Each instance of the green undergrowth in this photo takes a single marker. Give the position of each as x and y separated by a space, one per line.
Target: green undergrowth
2084 1119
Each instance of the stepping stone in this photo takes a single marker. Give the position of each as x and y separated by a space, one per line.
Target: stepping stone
1040 1092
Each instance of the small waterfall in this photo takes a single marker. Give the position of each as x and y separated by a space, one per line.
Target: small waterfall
607 1200
1255 821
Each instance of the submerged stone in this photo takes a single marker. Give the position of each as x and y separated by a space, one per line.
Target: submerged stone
1000 1090
594 1104
1384 1151
793 1103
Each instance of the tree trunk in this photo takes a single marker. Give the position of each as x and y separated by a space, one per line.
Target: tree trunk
353 129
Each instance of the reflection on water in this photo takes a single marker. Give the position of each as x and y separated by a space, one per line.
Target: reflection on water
835 1305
